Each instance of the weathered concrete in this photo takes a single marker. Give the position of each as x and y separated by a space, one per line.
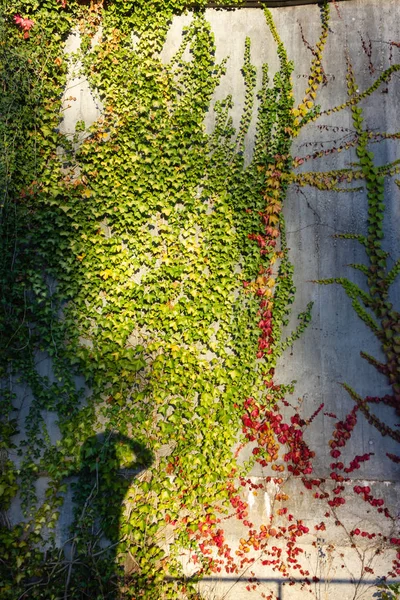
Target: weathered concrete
328 352
80 103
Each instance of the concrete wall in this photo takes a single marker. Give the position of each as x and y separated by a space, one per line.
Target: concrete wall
328 352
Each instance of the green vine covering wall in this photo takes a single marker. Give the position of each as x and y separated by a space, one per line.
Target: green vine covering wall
148 263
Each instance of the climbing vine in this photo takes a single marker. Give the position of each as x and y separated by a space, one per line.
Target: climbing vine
384 320
146 283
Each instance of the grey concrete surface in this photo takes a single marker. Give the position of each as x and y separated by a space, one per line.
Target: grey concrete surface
328 352
80 102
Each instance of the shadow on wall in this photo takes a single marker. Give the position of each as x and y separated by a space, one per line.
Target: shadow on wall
109 462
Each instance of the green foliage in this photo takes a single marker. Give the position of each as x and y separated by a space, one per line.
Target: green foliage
143 265
388 591
145 285
125 255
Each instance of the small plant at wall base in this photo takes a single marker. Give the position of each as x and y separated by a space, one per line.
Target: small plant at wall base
388 591
146 269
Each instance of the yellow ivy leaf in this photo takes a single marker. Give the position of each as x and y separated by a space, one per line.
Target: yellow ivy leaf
273 219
